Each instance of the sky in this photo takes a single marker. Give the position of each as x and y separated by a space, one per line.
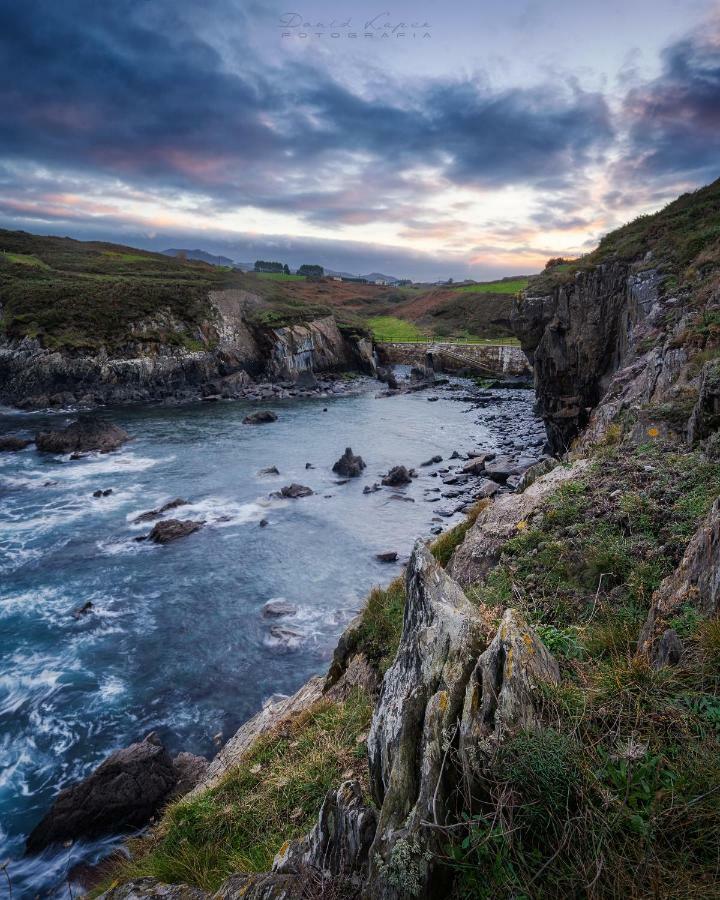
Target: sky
422 140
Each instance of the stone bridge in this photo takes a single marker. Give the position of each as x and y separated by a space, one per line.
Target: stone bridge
486 359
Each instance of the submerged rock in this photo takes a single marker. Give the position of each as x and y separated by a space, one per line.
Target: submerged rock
349 465
156 513
261 417
278 608
293 491
389 557
172 529
433 459
87 433
270 470
83 610
125 791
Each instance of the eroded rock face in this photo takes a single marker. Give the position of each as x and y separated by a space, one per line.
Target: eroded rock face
87 433
172 529
152 889
695 582
125 791
420 702
349 465
338 847
502 693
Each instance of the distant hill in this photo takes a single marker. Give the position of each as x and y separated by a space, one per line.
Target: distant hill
201 256
378 276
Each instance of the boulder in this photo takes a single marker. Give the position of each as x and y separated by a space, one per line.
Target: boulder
12 444
669 649
389 557
156 513
270 470
476 465
125 791
371 489
172 529
349 465
293 491
260 418
432 461
87 433
83 610
102 493
397 476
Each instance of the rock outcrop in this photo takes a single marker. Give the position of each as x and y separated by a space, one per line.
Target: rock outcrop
397 476
125 791
349 465
172 529
262 417
85 434
12 444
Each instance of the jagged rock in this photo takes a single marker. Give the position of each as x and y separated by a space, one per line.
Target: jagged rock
396 476
486 489
125 791
502 467
669 649
190 770
368 489
261 417
502 694
695 582
87 433
152 889
156 513
270 470
476 465
421 699
83 610
293 491
433 460
387 376
12 444
102 493
172 529
338 847
266 886
389 557
349 465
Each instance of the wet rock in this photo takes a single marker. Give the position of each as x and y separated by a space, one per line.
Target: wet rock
389 557
270 470
286 635
476 465
371 489
293 491
263 523
349 465
432 461
101 493
87 433
456 455
261 417
156 513
125 791
278 608
83 610
12 444
397 476
172 529
338 847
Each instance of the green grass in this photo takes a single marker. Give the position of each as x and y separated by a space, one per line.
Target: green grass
272 797
511 286
24 259
279 276
390 328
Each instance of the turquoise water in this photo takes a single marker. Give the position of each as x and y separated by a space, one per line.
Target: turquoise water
176 641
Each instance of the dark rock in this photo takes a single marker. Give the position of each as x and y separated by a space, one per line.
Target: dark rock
292 491
260 418
263 523
368 489
87 433
349 465
669 650
271 470
397 476
432 461
190 770
101 493
172 529
278 608
286 635
152 889
12 444
476 465
156 513
84 610
309 466
456 455
389 557
125 791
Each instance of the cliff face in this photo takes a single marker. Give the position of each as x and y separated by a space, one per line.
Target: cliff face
231 349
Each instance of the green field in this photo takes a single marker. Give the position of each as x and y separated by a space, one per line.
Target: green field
24 259
279 276
390 328
496 287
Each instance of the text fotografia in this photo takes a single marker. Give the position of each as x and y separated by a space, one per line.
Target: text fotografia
382 27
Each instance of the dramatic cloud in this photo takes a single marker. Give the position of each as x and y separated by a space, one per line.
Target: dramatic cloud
150 116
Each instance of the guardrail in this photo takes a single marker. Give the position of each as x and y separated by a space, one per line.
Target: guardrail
427 339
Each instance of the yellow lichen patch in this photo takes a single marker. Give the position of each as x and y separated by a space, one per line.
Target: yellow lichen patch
529 643
443 701
653 431
283 847
509 663
522 525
